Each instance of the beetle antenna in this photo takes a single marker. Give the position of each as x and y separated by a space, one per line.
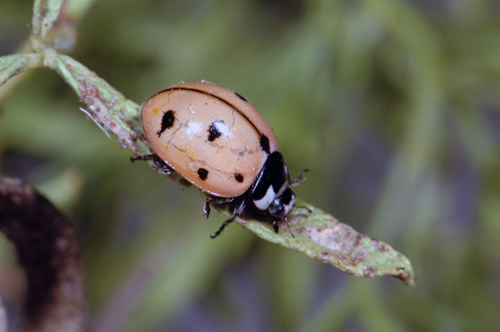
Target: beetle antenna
288 226
299 178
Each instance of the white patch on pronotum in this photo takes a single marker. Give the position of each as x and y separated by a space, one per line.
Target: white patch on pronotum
264 202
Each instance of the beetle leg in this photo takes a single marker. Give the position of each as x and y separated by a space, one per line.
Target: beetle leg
219 200
275 226
214 200
142 157
221 228
206 209
164 168
303 207
237 211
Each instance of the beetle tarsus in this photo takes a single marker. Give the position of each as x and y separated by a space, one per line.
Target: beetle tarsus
221 228
143 157
160 164
275 226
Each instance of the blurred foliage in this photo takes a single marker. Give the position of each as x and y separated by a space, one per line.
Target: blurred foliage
394 106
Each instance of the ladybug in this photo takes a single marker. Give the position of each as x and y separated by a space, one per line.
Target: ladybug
220 143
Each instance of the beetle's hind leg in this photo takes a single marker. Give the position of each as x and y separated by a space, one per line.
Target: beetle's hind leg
221 228
214 200
159 163
237 212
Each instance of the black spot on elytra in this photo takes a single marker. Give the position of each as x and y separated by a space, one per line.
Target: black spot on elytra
213 132
202 173
240 96
167 121
239 177
264 144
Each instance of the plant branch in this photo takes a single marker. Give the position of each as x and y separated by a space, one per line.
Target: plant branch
317 233
48 250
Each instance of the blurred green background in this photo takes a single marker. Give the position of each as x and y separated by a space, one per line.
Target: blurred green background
394 105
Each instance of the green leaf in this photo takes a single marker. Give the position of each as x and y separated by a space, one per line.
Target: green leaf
107 107
320 236
13 65
45 13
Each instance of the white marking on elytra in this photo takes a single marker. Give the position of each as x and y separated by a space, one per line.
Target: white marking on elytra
191 109
264 202
193 128
223 128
